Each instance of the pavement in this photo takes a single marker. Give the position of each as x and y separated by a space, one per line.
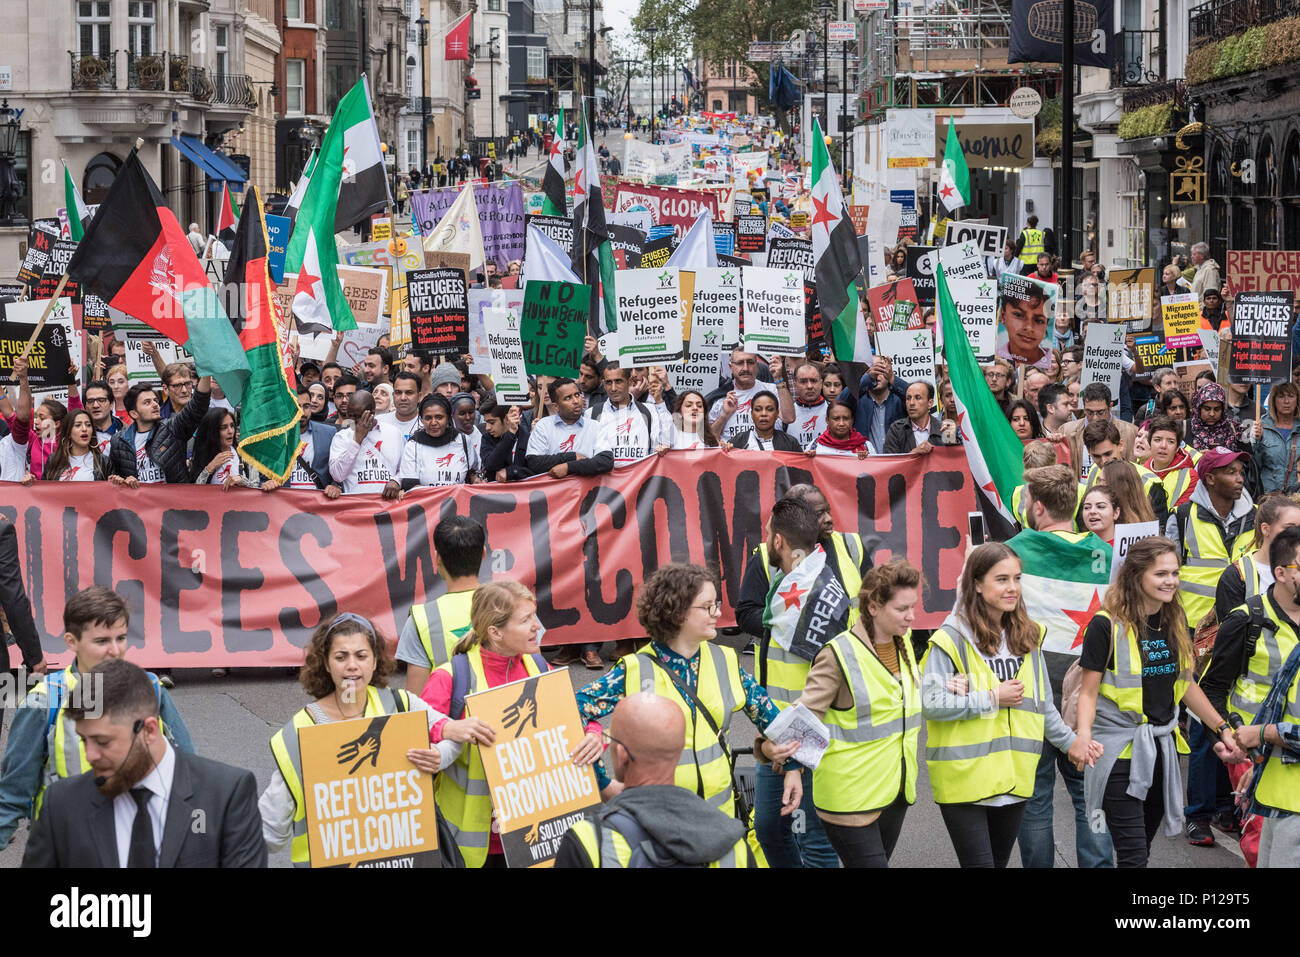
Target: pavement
231 719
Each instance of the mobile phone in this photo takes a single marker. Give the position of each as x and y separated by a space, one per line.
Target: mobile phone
976 522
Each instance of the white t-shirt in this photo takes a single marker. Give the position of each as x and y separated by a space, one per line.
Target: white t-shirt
81 468
13 459
223 471
368 467
407 429
740 419
624 431
104 439
448 464
809 422
146 470
1005 667
299 478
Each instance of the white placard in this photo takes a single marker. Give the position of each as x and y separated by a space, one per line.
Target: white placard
989 239
1125 536
649 317
962 261
716 309
977 307
139 367
505 354
911 353
909 138
1210 343
1103 356
875 262
841 31
701 368
479 299
774 311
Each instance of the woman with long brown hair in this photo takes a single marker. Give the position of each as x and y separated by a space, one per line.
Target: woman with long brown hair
865 685
1122 479
76 456
988 705
1137 660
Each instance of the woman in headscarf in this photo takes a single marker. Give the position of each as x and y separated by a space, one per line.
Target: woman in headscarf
1212 424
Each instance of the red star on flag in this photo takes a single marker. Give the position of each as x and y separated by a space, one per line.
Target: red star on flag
306 283
946 192
961 427
1081 618
793 596
823 215
555 147
993 492
578 189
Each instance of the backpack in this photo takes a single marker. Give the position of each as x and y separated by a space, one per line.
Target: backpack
646 851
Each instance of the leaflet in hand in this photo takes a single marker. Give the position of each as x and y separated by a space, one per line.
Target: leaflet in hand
797 723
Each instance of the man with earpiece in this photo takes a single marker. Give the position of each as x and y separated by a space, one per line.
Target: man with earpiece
141 804
43 745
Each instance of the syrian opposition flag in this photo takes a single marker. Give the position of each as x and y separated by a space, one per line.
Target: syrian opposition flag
459 230
810 591
1063 583
364 190
996 456
553 191
227 217
954 183
318 301
836 262
269 435
78 214
456 44
593 256
300 188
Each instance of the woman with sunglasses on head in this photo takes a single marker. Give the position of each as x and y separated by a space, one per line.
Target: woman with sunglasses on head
346 674
76 456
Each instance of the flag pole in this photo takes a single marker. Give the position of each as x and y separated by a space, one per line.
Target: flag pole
49 307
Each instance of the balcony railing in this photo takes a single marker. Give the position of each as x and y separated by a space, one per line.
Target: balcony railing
200 84
146 71
1217 19
962 41
178 73
233 89
1138 59
90 72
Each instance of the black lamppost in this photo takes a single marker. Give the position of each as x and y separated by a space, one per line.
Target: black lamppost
423 24
10 188
652 31
492 90
825 8
844 112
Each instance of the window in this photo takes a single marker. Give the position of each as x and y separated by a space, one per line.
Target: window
1268 224
140 26
1219 182
94 28
223 50
295 76
22 172
412 84
494 6
1291 193
99 176
413 149
293 10
537 63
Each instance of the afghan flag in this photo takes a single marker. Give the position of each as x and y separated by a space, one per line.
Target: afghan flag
836 261
318 301
553 201
227 217
996 456
136 257
593 256
270 438
78 214
364 189
1064 582
954 182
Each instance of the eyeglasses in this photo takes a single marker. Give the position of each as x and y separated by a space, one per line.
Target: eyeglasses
97 401
711 608
181 385
610 739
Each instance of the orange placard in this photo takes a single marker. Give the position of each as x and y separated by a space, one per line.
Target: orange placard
367 805
537 792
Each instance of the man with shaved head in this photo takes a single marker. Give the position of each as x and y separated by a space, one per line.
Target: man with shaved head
364 457
652 822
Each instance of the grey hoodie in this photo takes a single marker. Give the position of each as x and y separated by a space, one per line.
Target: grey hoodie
1241 508
686 826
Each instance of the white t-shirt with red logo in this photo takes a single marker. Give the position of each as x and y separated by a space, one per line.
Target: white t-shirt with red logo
740 419
13 459
626 432
104 440
146 470
368 467
448 464
299 477
81 468
809 422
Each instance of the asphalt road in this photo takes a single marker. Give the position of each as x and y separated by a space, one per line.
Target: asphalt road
232 719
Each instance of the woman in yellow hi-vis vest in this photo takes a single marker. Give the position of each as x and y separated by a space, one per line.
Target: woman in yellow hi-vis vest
1137 661
865 685
988 705
502 646
346 672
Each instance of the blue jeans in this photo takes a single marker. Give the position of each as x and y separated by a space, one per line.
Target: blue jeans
782 846
1208 788
1037 841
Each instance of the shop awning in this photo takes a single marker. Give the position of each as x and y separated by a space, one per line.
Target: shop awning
212 163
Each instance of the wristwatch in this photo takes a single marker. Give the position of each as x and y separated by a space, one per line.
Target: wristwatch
1218 732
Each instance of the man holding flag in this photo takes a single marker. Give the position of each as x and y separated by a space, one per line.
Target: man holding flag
593 256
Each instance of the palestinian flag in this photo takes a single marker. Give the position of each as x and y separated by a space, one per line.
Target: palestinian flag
227 217
300 188
318 301
136 257
1063 582
364 190
553 201
996 456
78 214
954 182
593 256
836 261
269 435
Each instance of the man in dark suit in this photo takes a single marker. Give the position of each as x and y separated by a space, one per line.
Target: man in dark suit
143 804
17 609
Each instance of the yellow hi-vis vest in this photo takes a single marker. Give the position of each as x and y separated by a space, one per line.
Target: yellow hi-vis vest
1123 683
1249 574
1271 651
613 849
703 767
1033 245
976 758
1204 559
782 673
1149 480
1279 784
462 788
1176 482
288 758
872 757
447 619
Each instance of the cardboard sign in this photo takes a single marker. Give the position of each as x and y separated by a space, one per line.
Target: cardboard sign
1182 316
55 268
1151 353
1261 270
1187 373
656 252
277 237
47 363
1126 536
715 309
1261 337
649 317
1103 356
799 221
1129 292
381 228
961 261
366 290
439 308
1210 343
366 804
920 269
537 791
911 352
751 234
480 299
554 327
774 307
908 218
989 240
1024 326
506 355
884 303
859 216
976 301
94 314
556 228
39 244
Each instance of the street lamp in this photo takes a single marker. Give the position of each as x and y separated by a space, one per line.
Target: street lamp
423 24
652 31
825 8
10 188
492 91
